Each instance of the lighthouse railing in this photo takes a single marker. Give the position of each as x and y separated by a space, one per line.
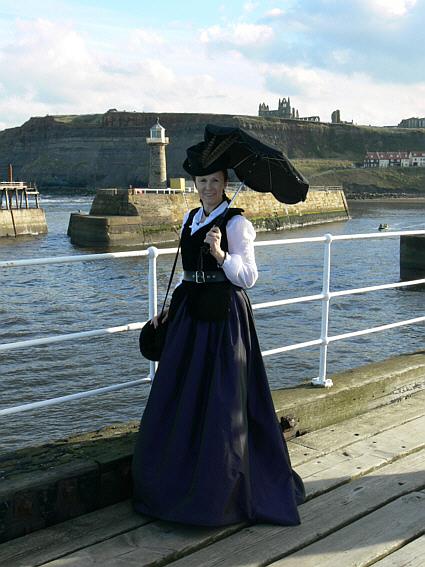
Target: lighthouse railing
323 342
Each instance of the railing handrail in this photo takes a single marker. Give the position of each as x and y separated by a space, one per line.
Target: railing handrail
162 251
325 296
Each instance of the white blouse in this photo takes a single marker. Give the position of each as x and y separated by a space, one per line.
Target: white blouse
239 266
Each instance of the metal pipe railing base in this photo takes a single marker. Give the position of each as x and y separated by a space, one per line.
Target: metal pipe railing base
320 383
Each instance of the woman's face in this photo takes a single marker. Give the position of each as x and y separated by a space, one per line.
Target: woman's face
211 188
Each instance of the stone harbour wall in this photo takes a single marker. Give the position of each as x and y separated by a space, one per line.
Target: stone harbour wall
412 258
129 216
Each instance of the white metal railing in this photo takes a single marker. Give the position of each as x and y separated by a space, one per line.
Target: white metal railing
325 297
157 191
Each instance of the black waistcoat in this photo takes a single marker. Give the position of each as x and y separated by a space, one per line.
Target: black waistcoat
191 244
205 301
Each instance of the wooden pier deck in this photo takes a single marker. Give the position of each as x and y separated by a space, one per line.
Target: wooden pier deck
365 482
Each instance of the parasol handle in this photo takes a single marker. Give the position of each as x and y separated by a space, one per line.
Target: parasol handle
221 217
239 189
206 247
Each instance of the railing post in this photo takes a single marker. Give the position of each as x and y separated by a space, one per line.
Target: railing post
153 296
321 380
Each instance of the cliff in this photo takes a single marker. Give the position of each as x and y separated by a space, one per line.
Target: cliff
104 150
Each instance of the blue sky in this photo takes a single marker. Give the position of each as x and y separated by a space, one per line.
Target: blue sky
364 57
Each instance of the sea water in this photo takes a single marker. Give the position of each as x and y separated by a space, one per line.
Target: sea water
40 301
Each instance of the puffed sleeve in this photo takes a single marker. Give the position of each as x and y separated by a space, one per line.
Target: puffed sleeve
239 265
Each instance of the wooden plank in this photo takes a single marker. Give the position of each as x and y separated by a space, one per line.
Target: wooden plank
411 555
336 468
301 454
332 470
320 475
161 543
262 544
153 544
50 543
371 538
355 429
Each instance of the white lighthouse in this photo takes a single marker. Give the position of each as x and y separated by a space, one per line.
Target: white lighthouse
158 164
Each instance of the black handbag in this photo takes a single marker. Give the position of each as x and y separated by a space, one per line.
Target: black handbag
151 340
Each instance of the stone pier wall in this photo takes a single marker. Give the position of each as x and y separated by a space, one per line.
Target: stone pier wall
412 257
20 222
129 216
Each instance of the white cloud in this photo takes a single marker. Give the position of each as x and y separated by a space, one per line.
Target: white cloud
274 13
357 95
390 8
238 35
53 69
341 56
142 38
249 7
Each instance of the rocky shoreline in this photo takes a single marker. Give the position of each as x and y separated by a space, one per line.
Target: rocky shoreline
385 197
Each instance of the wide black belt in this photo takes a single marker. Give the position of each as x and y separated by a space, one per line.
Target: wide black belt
201 276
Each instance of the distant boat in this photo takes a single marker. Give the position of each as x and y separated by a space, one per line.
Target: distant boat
383 226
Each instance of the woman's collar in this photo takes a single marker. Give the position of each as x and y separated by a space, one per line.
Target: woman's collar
196 224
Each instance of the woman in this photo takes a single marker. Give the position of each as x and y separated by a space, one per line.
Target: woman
210 449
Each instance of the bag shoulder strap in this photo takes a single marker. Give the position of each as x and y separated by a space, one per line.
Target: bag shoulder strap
173 269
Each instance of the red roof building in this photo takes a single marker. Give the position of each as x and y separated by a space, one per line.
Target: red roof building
395 159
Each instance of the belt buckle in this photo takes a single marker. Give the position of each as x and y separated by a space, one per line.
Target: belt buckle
199 276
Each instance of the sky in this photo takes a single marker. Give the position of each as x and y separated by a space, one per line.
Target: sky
363 57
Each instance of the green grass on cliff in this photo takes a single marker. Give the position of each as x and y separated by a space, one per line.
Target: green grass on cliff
358 180
79 119
309 167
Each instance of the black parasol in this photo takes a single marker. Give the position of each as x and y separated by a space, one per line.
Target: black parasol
259 166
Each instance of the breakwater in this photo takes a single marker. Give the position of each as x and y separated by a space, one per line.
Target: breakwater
21 222
130 216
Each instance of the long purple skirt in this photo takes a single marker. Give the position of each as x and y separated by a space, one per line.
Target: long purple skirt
210 450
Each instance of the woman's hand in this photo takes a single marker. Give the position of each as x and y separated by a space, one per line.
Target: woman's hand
155 320
213 238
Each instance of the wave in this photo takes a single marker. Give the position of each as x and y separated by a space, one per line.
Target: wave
47 199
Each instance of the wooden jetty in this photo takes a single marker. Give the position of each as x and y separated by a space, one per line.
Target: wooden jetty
365 482
17 216
16 195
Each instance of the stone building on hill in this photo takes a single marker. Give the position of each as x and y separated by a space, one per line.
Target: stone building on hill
284 110
336 118
412 123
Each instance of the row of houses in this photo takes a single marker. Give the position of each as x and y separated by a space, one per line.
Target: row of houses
394 159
